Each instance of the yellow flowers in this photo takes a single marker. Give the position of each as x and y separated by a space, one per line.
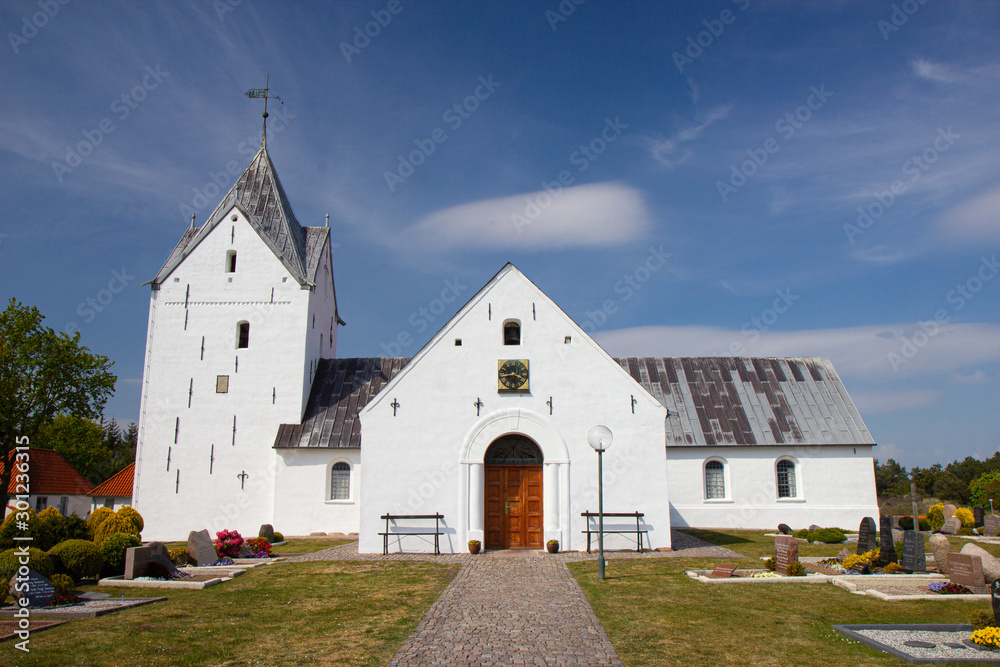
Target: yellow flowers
987 637
867 558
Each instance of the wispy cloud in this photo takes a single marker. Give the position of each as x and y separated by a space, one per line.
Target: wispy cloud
931 71
669 151
974 221
593 215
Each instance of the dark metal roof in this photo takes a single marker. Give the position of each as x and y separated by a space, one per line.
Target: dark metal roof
750 401
258 194
340 389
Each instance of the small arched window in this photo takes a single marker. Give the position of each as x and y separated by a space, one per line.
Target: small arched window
715 480
512 332
231 261
786 478
242 335
340 481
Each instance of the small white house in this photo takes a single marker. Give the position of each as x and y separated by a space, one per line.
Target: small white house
52 482
249 417
116 491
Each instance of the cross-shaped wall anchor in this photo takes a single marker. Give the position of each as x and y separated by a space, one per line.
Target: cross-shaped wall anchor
549 403
633 403
479 404
243 478
395 405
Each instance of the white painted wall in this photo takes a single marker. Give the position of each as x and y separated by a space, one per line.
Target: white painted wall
428 458
75 504
836 487
268 385
116 503
302 503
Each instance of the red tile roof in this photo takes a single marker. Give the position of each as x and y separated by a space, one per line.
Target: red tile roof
118 486
50 474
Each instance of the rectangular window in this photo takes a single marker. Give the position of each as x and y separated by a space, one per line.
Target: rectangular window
41 502
786 479
63 505
222 384
109 503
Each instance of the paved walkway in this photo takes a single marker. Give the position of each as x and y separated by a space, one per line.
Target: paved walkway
513 608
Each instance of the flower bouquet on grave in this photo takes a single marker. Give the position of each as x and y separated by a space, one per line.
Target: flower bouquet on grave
258 547
228 543
948 588
986 637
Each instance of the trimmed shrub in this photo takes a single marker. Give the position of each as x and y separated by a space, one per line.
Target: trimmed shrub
8 529
892 568
51 528
113 525
827 536
795 570
906 523
964 530
179 555
63 583
770 564
935 516
132 515
867 558
278 537
802 534
38 561
96 518
80 558
964 514
981 619
113 551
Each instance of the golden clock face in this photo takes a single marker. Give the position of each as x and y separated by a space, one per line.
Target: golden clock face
512 375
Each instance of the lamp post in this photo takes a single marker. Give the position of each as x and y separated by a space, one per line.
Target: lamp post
600 438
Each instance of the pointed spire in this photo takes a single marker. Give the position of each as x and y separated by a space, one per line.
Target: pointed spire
263 93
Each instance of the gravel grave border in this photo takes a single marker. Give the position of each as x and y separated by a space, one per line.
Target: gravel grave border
889 639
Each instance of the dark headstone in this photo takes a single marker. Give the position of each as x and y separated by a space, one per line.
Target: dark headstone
814 527
914 558
951 526
995 599
991 524
158 548
916 643
201 548
162 567
137 562
866 535
887 549
267 530
979 514
966 570
34 587
786 552
784 529
722 571
844 553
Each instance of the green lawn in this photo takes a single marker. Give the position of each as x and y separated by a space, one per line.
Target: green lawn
295 545
323 613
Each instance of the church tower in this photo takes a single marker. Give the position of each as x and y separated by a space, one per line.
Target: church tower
240 316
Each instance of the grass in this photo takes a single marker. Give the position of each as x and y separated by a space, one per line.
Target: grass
656 615
324 613
295 545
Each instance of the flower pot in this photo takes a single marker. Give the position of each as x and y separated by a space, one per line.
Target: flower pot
474 547
553 547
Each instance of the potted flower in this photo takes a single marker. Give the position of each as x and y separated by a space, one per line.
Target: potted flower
474 546
552 546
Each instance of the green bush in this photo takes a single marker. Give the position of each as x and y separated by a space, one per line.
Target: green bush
80 558
906 523
935 516
981 619
965 515
113 551
892 568
96 518
63 583
984 487
278 537
827 536
964 530
770 564
51 528
802 534
795 570
132 515
37 561
8 529
179 555
118 523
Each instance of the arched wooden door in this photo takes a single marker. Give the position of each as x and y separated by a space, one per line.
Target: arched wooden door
513 471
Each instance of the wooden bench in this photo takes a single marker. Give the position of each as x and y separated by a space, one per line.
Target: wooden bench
637 531
394 517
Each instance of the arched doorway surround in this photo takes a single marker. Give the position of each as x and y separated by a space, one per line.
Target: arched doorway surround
555 471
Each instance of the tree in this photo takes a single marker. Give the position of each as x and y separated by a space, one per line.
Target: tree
79 441
44 374
890 477
985 488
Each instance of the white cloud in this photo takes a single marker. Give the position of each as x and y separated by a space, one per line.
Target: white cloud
862 352
594 215
669 151
926 69
973 221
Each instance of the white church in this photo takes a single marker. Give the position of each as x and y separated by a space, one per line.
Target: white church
249 417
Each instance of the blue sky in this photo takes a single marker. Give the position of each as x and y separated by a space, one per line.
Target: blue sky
754 178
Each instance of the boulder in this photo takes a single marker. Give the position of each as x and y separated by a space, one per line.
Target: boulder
948 511
814 527
940 547
844 553
158 548
784 529
266 531
991 564
201 548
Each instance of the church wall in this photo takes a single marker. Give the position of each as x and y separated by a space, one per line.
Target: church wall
428 458
302 501
835 487
321 325
184 418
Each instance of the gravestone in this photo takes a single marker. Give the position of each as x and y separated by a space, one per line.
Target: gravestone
991 524
914 559
866 535
784 529
895 521
200 547
965 569
35 588
162 567
948 511
844 553
978 513
267 531
158 548
940 547
786 552
995 600
722 571
814 527
887 549
991 565
137 562
951 526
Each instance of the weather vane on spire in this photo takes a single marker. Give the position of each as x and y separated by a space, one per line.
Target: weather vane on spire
263 93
